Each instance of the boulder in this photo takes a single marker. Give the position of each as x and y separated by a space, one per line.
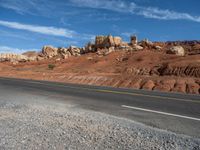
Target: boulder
111 49
63 50
49 51
137 47
117 41
124 46
75 51
180 86
149 85
66 55
192 88
177 50
146 44
158 47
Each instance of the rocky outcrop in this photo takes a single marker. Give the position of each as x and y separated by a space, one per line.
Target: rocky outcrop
134 40
191 71
107 41
75 51
104 45
149 85
177 50
14 58
64 52
138 71
49 51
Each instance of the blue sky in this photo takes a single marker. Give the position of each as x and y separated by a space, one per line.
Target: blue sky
30 24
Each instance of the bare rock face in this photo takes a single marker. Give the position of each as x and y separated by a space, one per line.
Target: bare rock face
100 41
165 85
177 50
13 57
149 85
137 84
117 41
63 50
180 86
182 71
64 53
75 51
39 58
107 41
193 88
49 51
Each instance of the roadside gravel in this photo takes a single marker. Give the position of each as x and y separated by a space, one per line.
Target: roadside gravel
38 126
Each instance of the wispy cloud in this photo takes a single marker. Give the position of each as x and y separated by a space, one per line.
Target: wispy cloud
39 29
33 7
133 8
7 49
46 7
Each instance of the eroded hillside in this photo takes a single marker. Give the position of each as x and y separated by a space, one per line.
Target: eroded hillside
166 66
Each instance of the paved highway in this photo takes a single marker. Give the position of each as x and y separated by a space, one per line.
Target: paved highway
175 112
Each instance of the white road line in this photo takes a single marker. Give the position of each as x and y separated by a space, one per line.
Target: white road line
160 112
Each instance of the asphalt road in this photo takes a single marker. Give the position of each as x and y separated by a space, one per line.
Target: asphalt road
179 113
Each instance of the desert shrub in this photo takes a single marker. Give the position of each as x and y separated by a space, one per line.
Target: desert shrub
51 66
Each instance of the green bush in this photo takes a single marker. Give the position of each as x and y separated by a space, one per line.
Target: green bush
51 66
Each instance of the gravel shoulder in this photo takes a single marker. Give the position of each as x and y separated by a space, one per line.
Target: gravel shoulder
39 126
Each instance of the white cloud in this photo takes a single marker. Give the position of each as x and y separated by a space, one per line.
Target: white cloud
48 8
39 29
151 12
6 49
25 6
133 8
